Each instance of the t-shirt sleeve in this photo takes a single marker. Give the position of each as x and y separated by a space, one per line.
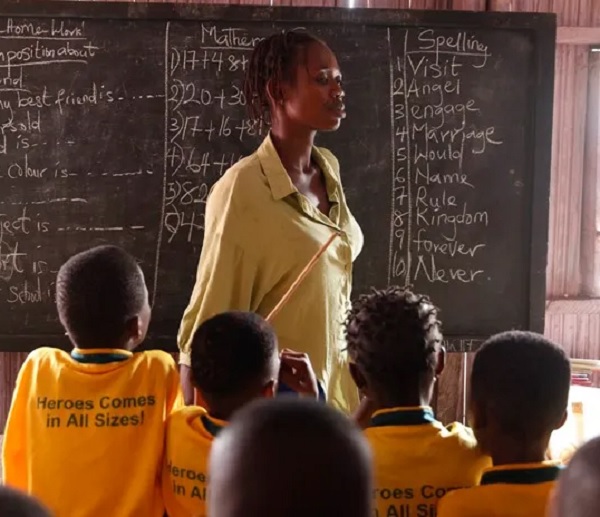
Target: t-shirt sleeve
227 269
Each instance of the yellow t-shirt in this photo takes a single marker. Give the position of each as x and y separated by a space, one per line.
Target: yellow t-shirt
85 432
509 491
417 460
260 234
190 433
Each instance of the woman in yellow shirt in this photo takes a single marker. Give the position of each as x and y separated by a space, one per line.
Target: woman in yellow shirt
272 211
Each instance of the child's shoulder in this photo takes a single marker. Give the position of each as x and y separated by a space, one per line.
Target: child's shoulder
460 503
156 359
46 355
459 433
463 439
181 416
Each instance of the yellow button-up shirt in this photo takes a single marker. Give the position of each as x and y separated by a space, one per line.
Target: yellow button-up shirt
260 232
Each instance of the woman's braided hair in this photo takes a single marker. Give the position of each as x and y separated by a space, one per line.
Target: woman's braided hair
274 59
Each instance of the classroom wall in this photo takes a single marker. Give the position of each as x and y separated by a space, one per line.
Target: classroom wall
573 323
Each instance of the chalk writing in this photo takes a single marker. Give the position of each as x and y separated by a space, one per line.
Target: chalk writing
202 117
435 128
45 86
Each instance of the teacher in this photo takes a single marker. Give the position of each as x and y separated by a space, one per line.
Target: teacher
272 211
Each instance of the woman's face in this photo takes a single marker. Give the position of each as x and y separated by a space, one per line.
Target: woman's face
315 99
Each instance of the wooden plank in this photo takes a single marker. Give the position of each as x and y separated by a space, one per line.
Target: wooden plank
566 188
578 35
590 251
577 333
380 4
468 5
450 401
565 306
10 363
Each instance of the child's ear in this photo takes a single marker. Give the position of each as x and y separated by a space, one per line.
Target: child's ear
441 361
358 377
269 389
562 420
135 331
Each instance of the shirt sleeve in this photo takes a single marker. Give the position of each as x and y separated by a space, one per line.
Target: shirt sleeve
14 448
227 270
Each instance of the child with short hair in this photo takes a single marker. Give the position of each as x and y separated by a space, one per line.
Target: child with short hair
290 458
85 431
234 359
519 394
396 354
577 493
14 503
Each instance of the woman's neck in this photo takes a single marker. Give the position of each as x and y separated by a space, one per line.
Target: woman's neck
294 150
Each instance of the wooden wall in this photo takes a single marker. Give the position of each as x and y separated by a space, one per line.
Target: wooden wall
575 325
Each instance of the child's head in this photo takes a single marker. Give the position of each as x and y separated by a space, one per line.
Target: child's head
18 504
394 344
578 491
293 458
234 360
519 394
102 299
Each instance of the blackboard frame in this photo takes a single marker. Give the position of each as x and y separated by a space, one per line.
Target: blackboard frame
541 27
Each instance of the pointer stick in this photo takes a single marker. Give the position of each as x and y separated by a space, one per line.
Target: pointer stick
303 274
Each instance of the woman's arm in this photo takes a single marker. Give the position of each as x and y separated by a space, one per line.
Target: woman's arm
226 274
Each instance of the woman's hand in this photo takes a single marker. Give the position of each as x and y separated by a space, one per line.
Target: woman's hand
296 371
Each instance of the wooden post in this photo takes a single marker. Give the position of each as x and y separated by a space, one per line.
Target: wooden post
10 363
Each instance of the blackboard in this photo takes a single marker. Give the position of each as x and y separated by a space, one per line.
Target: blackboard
116 119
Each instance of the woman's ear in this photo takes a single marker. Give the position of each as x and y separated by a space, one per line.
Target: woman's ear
274 94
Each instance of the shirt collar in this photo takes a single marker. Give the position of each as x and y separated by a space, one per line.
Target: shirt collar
405 416
279 180
212 426
521 474
100 355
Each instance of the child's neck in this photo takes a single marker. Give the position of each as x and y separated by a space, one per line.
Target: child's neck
402 399
513 452
219 412
224 409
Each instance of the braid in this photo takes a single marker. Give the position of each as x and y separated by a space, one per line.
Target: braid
273 59
393 332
